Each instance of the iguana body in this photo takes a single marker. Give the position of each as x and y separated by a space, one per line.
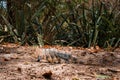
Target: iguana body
54 56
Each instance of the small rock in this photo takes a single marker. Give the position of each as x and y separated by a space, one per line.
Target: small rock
47 75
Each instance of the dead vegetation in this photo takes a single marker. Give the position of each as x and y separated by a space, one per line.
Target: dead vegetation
20 63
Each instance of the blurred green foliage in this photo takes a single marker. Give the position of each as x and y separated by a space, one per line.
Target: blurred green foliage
65 22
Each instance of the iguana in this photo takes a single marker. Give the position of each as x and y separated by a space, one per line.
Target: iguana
54 56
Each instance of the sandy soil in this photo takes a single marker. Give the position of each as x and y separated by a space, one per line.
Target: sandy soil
19 63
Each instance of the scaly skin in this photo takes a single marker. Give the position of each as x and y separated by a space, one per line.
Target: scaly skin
54 56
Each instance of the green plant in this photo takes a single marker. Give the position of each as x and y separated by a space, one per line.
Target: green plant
65 22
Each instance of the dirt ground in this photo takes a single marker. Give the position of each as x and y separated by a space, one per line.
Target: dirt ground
19 63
